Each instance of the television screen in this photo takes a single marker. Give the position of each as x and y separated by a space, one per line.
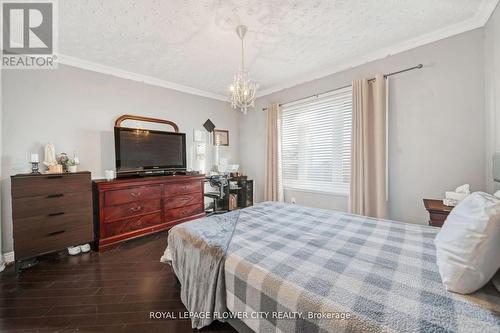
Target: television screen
138 149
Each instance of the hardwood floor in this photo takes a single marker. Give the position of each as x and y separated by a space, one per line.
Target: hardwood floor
109 292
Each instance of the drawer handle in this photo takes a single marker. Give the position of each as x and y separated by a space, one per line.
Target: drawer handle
135 209
54 177
184 212
55 233
56 195
135 194
56 214
185 187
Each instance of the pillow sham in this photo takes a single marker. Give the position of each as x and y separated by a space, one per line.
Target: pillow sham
468 244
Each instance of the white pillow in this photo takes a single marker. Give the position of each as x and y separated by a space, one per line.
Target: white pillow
468 244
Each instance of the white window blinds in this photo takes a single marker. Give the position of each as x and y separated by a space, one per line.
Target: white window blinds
316 143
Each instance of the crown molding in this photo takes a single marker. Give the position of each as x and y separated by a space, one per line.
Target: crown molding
479 20
485 11
95 67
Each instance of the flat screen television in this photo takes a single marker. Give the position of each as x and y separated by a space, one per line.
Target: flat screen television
138 150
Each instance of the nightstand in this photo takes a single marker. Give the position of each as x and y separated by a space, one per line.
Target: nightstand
438 212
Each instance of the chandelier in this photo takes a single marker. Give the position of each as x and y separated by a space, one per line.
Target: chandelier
243 88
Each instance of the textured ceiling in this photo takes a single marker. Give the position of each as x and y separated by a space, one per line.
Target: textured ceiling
193 43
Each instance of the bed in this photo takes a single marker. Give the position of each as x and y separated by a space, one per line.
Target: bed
286 268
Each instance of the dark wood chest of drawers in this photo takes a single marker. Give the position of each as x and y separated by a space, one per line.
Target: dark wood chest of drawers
132 207
50 212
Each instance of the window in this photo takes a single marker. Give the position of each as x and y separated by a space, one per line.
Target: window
316 143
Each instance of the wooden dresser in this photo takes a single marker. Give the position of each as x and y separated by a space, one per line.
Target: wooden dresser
50 212
132 207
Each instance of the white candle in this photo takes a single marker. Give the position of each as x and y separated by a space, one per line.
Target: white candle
34 158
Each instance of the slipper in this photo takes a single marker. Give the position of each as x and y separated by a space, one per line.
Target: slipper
74 250
85 248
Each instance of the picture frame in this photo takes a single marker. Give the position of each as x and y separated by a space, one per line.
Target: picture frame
221 137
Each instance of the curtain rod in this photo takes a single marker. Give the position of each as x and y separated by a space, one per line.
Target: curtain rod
419 66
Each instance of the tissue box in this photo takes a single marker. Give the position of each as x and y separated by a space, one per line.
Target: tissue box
450 202
455 196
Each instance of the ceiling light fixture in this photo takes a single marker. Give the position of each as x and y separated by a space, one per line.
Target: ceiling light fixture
243 88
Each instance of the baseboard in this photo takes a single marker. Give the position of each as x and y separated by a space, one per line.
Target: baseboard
8 257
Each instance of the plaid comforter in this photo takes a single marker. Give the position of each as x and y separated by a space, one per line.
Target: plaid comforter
289 268
311 270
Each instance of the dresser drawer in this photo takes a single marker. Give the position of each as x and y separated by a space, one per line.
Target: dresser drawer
41 226
182 212
43 185
437 219
130 209
122 213
49 239
132 194
72 218
182 200
48 205
174 189
131 224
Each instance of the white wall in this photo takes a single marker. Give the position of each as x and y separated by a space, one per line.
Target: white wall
76 109
492 89
2 265
436 126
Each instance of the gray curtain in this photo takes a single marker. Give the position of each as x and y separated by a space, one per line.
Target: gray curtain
273 184
368 191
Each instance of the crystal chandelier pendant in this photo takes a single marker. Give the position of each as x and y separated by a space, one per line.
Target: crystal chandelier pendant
243 89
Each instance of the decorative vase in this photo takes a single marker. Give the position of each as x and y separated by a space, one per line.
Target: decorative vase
72 168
